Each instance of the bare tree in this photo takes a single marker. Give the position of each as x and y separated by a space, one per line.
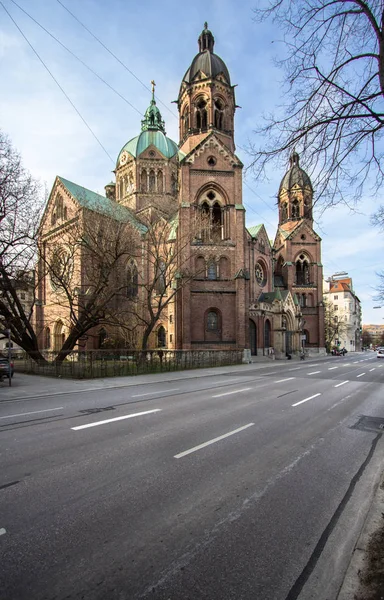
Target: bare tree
334 76
20 209
334 325
170 265
85 270
367 337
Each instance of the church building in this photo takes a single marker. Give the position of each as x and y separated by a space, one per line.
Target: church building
242 292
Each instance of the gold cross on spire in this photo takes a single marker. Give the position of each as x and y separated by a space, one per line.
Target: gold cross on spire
153 86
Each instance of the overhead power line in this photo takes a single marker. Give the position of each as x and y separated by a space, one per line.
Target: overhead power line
77 58
115 57
57 83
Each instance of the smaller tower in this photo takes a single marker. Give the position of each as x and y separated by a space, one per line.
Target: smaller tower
295 195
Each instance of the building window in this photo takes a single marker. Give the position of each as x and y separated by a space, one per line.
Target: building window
335 297
295 209
102 337
302 270
336 307
132 280
47 338
260 274
143 181
160 181
161 337
267 334
160 283
171 318
152 181
212 321
201 115
22 296
212 271
171 338
218 113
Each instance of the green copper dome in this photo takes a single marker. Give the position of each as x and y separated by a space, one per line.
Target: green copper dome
152 133
295 175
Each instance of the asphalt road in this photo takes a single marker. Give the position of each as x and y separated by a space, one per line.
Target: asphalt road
248 484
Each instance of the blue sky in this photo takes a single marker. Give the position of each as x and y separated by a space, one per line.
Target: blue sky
155 40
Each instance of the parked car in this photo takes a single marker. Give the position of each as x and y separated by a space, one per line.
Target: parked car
6 368
380 353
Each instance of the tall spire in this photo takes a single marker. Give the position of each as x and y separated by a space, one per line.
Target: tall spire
152 119
206 39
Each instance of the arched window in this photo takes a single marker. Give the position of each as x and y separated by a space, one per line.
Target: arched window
217 222
47 338
284 211
160 181
212 270
267 334
161 337
152 181
302 270
102 337
132 280
160 283
185 121
224 268
201 115
212 321
65 214
200 267
130 183
59 335
173 184
143 181
307 209
219 113
295 209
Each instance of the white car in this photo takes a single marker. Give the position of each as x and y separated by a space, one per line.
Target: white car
380 353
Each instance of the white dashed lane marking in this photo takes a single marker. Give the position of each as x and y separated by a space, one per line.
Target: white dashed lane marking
234 392
147 412
287 379
221 437
342 383
314 373
361 374
306 399
2 531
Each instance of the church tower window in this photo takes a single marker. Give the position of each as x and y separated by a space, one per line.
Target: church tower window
143 181
160 181
173 184
284 211
302 270
295 209
201 115
217 222
218 114
152 181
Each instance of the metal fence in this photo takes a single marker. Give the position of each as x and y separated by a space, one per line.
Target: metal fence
92 364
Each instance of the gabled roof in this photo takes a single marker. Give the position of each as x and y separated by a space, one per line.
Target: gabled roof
100 204
254 230
291 228
270 297
201 145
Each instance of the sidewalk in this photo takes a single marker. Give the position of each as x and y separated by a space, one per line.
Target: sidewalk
364 579
26 387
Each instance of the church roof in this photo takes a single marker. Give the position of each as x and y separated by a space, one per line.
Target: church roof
295 175
254 230
100 204
206 62
152 134
141 142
